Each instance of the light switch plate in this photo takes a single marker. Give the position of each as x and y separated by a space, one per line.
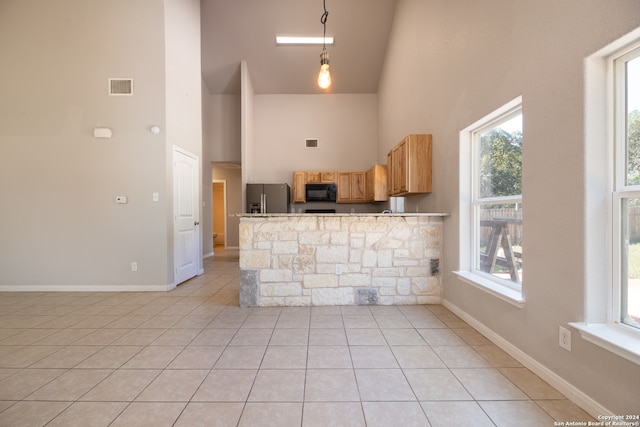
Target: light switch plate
121 199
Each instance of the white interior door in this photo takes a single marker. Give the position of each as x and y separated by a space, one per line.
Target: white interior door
186 215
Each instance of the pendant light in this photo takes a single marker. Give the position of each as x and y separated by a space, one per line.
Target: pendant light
324 77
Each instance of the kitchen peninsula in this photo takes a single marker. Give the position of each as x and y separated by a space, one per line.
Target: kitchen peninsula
340 259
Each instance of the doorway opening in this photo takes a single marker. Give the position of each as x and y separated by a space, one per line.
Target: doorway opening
219 213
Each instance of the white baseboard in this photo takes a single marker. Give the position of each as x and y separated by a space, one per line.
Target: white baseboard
209 255
87 288
569 390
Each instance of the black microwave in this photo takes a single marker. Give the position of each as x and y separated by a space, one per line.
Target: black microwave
320 192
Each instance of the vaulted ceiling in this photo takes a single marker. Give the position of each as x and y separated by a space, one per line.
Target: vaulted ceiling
245 30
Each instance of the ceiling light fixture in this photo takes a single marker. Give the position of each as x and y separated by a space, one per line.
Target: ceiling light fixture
324 78
304 40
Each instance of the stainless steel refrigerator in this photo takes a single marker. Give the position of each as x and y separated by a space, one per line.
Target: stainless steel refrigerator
268 198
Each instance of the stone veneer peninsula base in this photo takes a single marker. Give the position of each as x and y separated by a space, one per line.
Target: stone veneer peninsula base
340 259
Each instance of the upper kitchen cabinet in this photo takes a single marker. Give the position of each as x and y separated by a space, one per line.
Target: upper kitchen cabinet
409 166
320 177
352 187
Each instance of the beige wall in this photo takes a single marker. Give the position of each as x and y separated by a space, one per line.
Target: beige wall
183 75
61 227
449 64
222 124
345 125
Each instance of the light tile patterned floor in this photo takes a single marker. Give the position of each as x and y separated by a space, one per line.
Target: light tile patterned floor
192 357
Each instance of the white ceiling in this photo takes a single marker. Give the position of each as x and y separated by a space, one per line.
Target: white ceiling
245 30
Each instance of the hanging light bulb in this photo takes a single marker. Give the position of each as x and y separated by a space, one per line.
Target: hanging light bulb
324 77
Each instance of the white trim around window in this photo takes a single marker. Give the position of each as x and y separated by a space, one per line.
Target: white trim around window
468 271
605 188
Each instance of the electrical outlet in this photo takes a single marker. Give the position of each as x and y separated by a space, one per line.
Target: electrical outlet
134 266
565 338
338 269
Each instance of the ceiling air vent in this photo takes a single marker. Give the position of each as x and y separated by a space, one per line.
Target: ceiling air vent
121 87
311 142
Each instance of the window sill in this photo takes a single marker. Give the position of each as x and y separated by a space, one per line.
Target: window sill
505 293
612 338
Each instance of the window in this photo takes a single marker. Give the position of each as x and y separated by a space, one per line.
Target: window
626 196
612 197
491 203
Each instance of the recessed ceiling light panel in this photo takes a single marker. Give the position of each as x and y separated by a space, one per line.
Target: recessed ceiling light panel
303 40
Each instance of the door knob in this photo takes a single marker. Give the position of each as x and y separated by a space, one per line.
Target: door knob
196 223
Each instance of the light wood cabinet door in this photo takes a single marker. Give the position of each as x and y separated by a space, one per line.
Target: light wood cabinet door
312 177
418 164
327 177
377 184
299 190
358 187
344 187
369 180
399 161
389 174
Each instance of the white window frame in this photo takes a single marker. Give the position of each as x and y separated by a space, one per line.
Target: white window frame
621 189
468 271
606 169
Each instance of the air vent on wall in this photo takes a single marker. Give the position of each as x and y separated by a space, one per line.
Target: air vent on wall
311 142
121 87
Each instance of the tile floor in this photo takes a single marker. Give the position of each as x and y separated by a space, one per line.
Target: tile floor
192 357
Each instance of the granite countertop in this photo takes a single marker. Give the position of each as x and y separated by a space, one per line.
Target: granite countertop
356 214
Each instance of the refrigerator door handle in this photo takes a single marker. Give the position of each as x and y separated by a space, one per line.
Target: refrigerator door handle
263 203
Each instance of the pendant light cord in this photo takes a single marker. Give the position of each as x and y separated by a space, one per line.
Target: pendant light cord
323 21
